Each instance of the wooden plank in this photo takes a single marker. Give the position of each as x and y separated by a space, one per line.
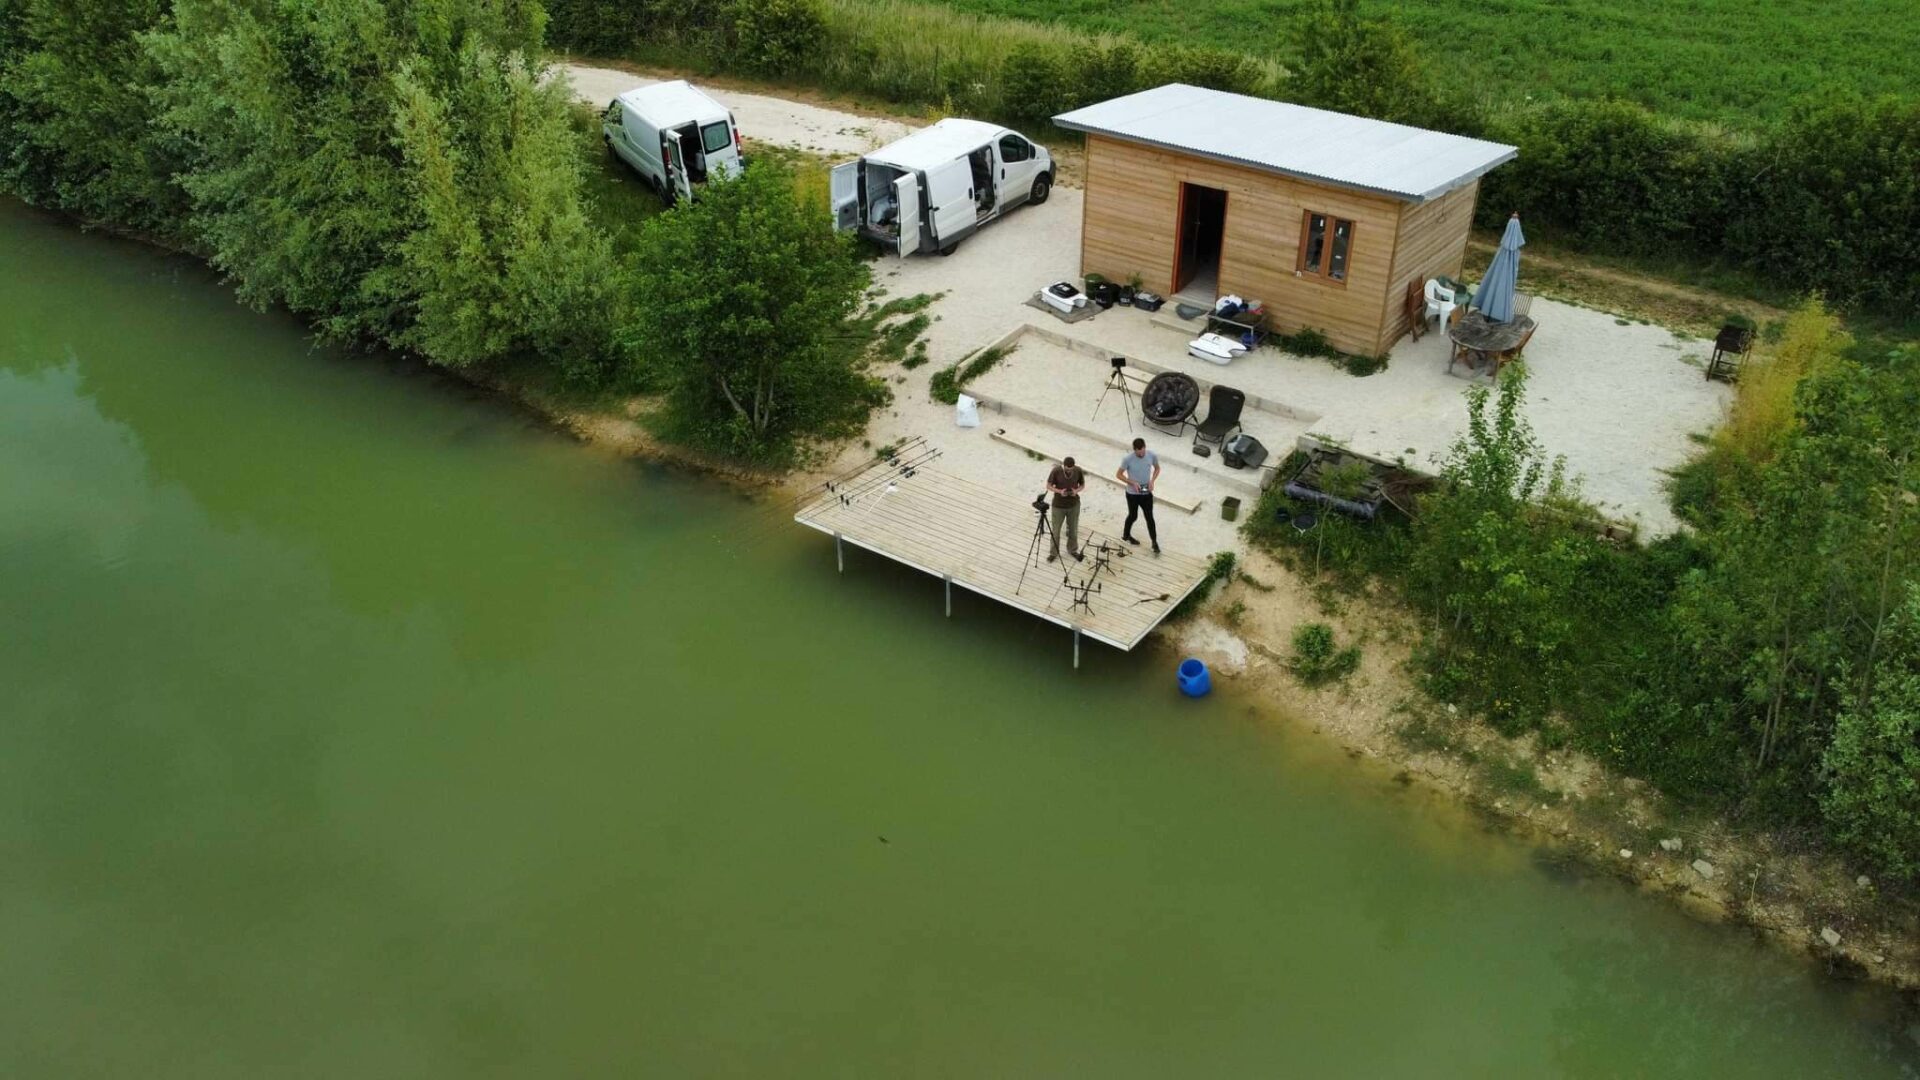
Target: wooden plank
979 539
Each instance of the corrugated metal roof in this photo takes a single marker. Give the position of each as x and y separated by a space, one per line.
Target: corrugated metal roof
936 144
1293 140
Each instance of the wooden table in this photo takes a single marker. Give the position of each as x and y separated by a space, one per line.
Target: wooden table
1480 340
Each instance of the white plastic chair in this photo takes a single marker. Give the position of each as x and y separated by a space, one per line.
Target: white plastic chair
1439 302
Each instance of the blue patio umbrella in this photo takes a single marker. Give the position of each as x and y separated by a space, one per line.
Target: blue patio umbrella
1494 297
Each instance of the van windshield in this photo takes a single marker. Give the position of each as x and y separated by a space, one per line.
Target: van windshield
716 137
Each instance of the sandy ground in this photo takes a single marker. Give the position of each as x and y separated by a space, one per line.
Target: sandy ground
792 124
1620 402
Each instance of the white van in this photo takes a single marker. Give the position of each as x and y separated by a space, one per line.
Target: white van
930 189
674 136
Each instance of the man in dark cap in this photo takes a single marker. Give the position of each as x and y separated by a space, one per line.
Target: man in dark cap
1064 484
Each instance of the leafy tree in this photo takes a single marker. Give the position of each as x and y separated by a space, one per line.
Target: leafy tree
742 300
1497 565
395 171
504 259
772 36
1364 66
1872 765
1037 82
74 131
1808 559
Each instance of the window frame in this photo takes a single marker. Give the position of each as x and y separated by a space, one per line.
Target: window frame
1324 274
726 140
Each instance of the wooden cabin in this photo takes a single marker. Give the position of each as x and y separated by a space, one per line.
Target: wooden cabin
1323 217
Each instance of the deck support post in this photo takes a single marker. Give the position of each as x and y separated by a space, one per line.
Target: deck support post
949 580
1076 648
839 554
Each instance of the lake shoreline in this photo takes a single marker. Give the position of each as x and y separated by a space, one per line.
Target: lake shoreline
1561 801
1792 894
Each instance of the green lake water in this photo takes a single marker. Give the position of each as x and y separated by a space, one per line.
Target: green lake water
355 725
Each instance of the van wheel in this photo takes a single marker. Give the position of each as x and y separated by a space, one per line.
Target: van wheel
1042 187
950 248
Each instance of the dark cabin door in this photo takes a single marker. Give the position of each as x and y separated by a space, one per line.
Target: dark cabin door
1203 224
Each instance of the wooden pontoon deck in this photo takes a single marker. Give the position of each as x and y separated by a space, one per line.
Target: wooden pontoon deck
978 538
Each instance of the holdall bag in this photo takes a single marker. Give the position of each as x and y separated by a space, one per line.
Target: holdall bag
1243 451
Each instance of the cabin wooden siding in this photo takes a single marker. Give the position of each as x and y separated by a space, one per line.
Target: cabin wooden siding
1130 224
1433 242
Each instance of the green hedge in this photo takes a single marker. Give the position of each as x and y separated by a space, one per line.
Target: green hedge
1828 200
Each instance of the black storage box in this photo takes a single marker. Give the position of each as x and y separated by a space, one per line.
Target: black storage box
1147 301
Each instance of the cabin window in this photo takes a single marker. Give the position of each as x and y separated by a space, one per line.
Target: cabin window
613 111
1326 245
716 137
1014 148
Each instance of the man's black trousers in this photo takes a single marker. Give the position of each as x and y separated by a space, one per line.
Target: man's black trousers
1140 504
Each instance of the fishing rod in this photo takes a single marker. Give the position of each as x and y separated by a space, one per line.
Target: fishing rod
888 454
847 476
899 470
779 513
902 470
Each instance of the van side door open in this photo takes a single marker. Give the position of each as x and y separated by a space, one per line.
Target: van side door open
677 180
906 194
950 201
843 187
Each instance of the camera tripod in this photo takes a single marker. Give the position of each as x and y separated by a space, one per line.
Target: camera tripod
1116 380
1040 532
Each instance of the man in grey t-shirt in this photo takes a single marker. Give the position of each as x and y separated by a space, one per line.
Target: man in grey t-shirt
1140 470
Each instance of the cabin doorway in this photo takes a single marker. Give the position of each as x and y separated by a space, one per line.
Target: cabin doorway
1203 224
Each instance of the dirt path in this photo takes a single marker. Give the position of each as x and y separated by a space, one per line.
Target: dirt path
1666 303
798 125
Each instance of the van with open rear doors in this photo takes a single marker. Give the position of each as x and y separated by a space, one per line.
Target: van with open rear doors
674 136
928 191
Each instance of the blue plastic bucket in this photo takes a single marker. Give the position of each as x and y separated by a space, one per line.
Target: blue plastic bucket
1194 680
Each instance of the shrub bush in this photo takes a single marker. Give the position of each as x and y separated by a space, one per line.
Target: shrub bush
772 36
1317 658
748 302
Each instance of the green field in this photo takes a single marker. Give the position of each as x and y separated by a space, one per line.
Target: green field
1731 61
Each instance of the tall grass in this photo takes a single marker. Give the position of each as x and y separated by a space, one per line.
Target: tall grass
920 55
1757 57
1763 405
926 55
